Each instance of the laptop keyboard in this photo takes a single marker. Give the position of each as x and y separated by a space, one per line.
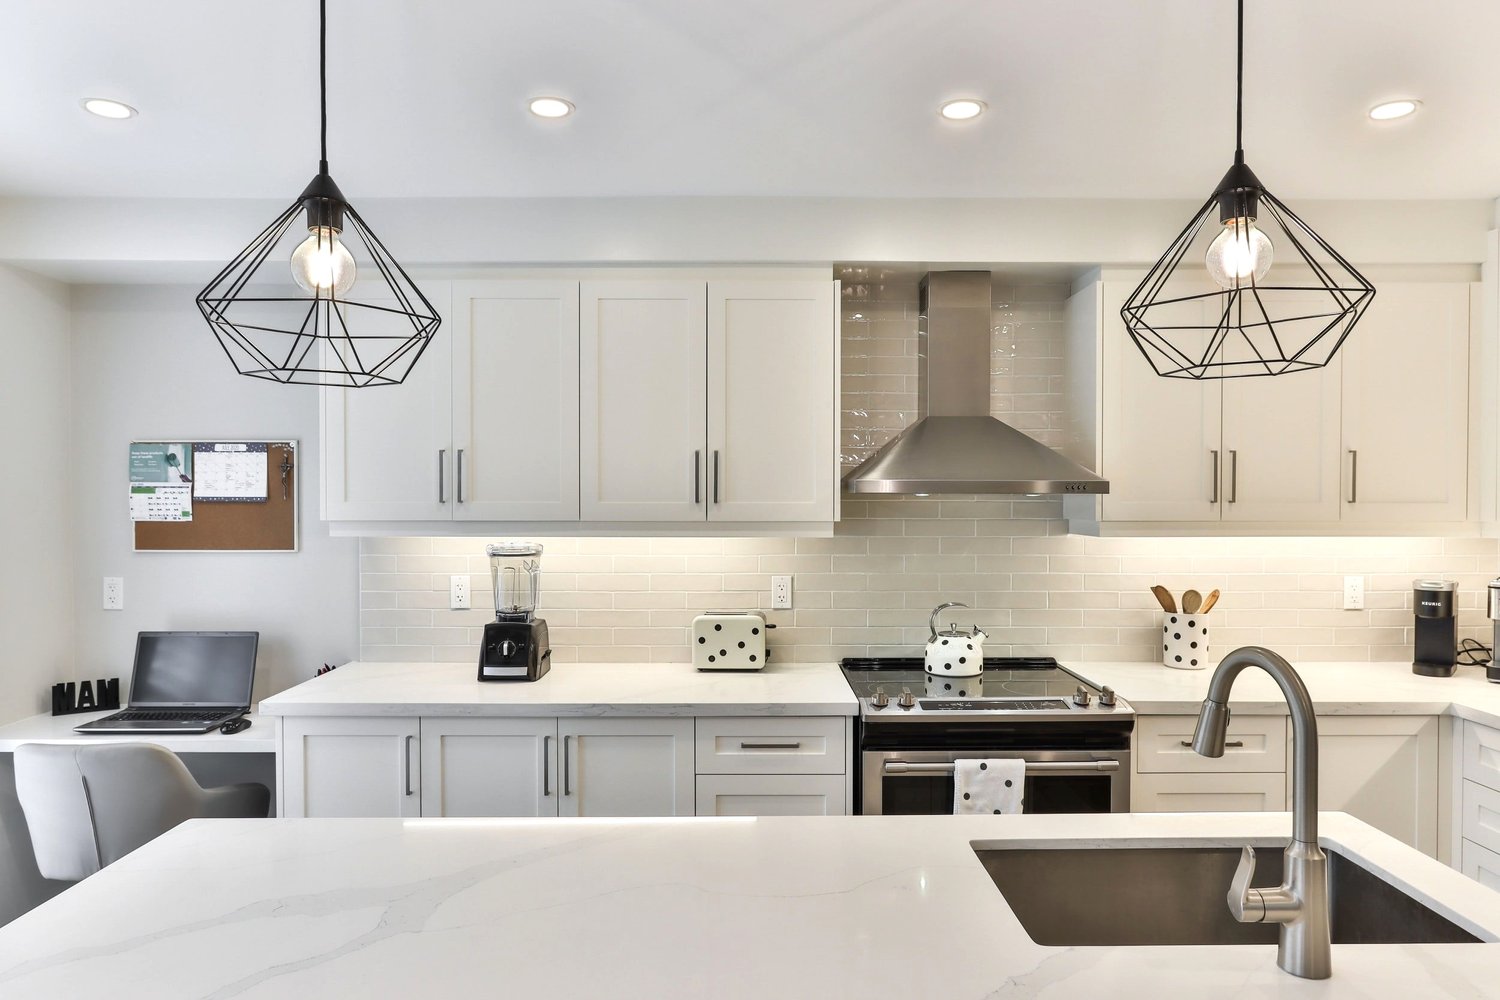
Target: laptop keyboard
189 715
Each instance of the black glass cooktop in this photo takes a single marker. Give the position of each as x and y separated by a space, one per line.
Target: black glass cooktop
1022 677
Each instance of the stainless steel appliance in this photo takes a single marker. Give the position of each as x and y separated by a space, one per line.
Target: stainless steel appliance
1492 669
1435 644
515 646
956 446
912 727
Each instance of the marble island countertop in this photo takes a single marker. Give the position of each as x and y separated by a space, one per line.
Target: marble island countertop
569 689
856 907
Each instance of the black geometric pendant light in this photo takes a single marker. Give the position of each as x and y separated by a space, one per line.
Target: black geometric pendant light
1244 317
309 324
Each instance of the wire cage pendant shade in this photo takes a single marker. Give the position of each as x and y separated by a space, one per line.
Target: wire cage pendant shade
1242 314
316 298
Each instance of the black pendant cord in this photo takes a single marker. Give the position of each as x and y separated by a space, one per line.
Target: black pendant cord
323 83
1239 87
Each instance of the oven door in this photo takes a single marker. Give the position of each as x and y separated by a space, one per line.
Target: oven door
920 782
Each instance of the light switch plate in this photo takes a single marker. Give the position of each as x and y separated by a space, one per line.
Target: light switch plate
458 593
1354 593
114 593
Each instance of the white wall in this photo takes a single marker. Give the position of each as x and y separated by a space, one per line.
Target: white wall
36 613
146 366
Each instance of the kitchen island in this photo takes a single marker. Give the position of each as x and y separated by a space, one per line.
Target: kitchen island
859 907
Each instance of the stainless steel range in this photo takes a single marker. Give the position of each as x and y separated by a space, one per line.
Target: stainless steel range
1073 734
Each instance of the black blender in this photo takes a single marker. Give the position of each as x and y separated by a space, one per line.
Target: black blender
515 644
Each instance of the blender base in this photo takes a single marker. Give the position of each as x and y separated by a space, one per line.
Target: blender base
515 651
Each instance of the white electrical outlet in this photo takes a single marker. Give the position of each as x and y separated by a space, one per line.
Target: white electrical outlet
114 593
781 592
1354 593
458 593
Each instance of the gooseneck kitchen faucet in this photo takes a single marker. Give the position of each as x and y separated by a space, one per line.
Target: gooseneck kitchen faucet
1300 903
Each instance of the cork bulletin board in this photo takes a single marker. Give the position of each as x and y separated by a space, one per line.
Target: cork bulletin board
233 508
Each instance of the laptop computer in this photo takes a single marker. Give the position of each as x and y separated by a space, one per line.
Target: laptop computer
185 682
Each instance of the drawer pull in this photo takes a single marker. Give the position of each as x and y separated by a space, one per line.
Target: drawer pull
1230 745
771 746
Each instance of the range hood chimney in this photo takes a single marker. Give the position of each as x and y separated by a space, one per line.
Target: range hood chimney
956 446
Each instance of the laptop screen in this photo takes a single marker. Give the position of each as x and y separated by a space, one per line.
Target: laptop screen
193 668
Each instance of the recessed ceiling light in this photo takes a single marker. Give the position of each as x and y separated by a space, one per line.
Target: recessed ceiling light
105 108
962 109
551 107
1391 110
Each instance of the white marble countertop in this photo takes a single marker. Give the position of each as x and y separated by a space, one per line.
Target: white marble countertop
856 907
259 738
1364 688
569 689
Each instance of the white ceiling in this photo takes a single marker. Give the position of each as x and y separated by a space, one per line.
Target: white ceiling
1087 98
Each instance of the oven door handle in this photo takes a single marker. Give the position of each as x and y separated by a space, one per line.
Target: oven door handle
1032 767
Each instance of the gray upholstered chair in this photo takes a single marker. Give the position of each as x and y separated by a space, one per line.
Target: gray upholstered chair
89 806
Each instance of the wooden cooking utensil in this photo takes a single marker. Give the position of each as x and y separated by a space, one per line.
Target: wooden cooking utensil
1209 602
1164 598
1191 601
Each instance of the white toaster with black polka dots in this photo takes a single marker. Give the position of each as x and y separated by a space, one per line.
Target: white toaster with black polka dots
729 640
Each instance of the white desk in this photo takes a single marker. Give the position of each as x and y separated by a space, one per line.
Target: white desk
259 738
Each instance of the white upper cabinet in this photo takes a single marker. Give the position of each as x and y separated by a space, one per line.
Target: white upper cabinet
1160 441
771 400
1379 437
515 400
387 451
1281 447
1406 392
644 397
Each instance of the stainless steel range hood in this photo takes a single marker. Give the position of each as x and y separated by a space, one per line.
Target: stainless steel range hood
956 446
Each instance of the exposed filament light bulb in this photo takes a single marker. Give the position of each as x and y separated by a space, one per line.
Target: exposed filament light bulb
1240 252
321 264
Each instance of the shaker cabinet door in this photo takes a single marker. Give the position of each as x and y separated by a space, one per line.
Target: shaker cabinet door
643 382
489 767
515 400
626 767
343 767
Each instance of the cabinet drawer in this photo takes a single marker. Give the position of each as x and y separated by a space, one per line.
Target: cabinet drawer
1482 754
1230 792
1160 745
771 795
805 745
1481 815
1481 864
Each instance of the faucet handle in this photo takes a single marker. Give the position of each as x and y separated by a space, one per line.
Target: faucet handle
1247 905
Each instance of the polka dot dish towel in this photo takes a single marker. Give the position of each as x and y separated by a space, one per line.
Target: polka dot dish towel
988 787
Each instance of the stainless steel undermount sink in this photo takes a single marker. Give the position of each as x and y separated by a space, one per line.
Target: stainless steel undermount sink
1176 896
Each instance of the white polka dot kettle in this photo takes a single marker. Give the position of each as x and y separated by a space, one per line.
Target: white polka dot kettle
954 652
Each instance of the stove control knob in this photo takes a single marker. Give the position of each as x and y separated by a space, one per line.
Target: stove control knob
507 648
880 700
1081 697
907 700
1107 698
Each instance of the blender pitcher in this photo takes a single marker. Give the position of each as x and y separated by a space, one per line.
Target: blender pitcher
515 573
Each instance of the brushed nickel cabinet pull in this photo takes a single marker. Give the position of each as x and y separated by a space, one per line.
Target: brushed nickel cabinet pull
567 783
771 746
442 455
1231 745
1234 475
406 762
716 475
458 475
546 766
1353 476
698 476
1215 480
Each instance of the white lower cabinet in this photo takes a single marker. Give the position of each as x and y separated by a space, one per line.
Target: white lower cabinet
489 767
1383 770
1208 792
548 766
334 767
626 767
772 795
1477 799
1481 864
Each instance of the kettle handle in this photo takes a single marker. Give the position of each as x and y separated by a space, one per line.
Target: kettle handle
932 619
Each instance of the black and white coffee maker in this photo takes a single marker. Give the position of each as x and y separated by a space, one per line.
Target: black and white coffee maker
515 644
